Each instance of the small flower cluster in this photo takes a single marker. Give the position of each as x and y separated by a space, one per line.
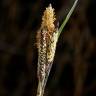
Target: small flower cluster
47 37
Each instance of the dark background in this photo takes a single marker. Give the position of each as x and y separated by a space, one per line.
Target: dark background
74 68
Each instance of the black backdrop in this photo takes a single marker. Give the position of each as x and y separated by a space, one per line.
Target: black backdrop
74 68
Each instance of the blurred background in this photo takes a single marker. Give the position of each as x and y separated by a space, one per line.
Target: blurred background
74 68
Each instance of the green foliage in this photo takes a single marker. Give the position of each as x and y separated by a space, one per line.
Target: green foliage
67 17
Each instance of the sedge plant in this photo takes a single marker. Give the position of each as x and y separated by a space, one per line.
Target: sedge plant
47 37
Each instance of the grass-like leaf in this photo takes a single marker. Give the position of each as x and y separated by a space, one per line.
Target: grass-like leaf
67 17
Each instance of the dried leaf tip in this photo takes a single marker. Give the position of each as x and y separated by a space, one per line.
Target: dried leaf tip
48 19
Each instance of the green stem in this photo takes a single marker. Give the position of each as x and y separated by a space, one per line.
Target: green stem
67 17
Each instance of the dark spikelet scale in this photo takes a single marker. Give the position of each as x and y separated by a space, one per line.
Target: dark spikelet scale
42 55
47 71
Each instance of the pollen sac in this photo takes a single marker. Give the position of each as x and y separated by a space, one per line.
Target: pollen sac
49 18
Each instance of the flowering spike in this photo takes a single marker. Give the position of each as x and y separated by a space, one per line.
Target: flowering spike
47 37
